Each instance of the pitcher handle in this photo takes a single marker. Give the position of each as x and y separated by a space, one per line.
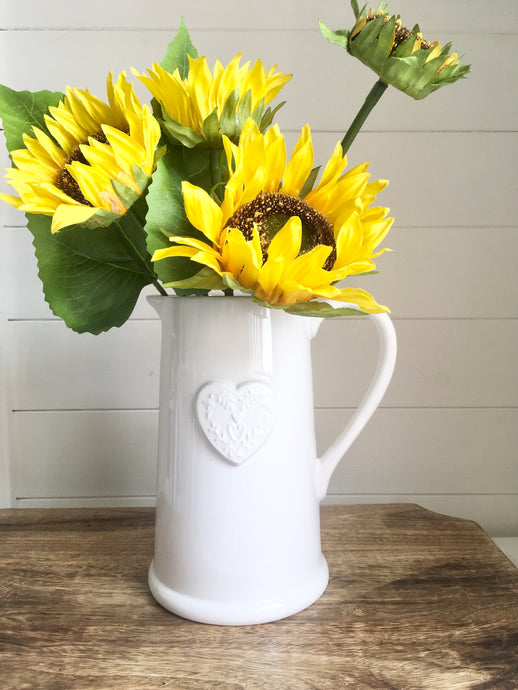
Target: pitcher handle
386 361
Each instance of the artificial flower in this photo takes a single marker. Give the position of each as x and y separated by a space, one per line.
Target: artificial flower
400 57
96 162
206 104
273 237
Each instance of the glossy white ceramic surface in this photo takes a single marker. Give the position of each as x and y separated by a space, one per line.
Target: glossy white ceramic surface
239 484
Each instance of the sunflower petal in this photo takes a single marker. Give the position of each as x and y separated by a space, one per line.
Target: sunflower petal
66 215
300 164
202 211
285 246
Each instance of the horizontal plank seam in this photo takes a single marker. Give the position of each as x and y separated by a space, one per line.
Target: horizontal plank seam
419 493
215 28
329 495
317 409
88 497
138 319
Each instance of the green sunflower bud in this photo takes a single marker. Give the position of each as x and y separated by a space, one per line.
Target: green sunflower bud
400 57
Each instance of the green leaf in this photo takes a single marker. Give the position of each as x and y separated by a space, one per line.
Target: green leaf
321 310
101 218
356 9
230 126
141 179
234 284
245 108
340 37
308 184
384 42
197 168
126 194
211 131
367 38
178 50
91 277
406 48
179 133
257 114
22 110
166 217
268 116
204 280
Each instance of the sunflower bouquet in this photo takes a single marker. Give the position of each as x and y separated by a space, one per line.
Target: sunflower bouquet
195 192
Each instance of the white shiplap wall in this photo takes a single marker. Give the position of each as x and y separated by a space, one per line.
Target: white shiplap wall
78 414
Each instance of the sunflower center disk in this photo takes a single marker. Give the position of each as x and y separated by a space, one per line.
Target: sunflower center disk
271 211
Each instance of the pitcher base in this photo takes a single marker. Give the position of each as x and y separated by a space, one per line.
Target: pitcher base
241 612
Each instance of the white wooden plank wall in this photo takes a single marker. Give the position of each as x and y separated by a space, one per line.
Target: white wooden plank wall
78 413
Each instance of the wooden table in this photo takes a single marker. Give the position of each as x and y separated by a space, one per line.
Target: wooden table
416 600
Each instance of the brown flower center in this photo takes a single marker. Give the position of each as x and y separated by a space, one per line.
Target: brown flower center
64 180
271 211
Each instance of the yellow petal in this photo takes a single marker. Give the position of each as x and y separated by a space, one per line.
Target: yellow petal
361 298
11 199
228 81
447 62
308 270
283 248
198 84
202 211
255 244
56 154
66 215
334 168
285 245
188 252
238 258
349 241
275 162
299 165
255 81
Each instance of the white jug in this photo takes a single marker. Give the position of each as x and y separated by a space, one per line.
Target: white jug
239 483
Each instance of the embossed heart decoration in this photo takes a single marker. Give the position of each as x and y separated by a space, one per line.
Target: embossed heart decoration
236 420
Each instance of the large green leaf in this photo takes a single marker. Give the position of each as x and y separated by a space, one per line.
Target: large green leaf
166 216
91 277
178 50
22 110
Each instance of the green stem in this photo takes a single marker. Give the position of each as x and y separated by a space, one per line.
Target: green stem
138 256
217 177
372 98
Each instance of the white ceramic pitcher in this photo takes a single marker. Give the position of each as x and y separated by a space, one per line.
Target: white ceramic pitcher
239 484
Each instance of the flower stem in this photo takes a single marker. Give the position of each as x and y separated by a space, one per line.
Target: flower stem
372 98
139 258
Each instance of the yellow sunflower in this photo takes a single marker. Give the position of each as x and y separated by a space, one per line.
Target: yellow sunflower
97 154
206 104
270 238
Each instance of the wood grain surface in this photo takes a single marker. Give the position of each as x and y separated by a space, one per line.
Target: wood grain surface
416 600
